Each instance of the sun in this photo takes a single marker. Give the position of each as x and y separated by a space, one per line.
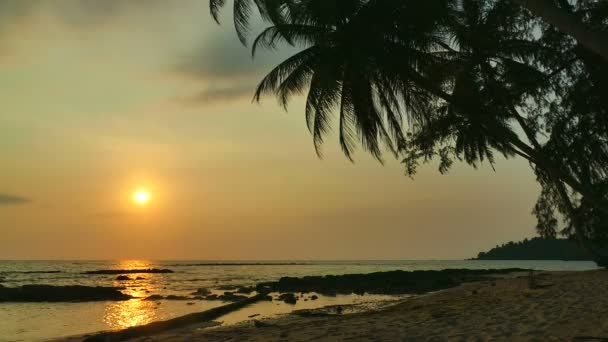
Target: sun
141 197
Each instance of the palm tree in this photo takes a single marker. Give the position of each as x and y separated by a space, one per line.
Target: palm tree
372 86
420 77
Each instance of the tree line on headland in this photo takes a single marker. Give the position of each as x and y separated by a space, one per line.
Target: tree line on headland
455 81
537 248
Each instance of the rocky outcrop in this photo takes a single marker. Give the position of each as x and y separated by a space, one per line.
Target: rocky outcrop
48 293
393 282
147 270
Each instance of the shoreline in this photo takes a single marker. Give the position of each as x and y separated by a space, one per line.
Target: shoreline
559 306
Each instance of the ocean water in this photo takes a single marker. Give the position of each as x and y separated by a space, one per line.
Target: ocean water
41 321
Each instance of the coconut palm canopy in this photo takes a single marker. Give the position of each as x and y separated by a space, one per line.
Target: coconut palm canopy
456 80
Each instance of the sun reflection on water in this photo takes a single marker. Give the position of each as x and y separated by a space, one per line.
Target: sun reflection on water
133 312
130 313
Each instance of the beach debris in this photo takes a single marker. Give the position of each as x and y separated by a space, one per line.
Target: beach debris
288 298
71 293
132 271
123 278
254 315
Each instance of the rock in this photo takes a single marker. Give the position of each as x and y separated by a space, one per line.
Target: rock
231 297
123 277
314 297
140 278
391 283
174 297
148 270
288 298
254 315
201 292
212 297
72 293
190 303
245 289
154 297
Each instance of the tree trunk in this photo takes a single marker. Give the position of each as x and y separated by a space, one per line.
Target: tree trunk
568 24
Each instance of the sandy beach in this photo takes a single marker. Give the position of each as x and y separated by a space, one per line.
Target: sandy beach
566 306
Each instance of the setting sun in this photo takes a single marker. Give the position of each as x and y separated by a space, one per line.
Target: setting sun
141 197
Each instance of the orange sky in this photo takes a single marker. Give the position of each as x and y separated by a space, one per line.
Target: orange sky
102 97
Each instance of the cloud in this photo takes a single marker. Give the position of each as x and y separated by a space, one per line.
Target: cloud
226 69
6 199
215 94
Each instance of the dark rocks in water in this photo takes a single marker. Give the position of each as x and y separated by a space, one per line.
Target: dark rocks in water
31 272
393 282
169 297
231 297
201 292
147 270
212 297
288 298
154 297
174 297
72 293
123 277
246 289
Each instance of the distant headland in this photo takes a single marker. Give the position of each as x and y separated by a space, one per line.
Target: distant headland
536 249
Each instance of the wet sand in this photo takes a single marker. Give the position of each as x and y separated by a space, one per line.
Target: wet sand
566 306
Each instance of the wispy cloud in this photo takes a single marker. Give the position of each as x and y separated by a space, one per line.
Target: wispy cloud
7 199
214 94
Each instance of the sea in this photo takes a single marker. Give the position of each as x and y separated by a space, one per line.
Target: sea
46 321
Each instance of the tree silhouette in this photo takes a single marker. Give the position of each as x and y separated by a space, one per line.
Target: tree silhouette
453 80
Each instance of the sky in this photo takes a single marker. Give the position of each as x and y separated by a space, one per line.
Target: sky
99 98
